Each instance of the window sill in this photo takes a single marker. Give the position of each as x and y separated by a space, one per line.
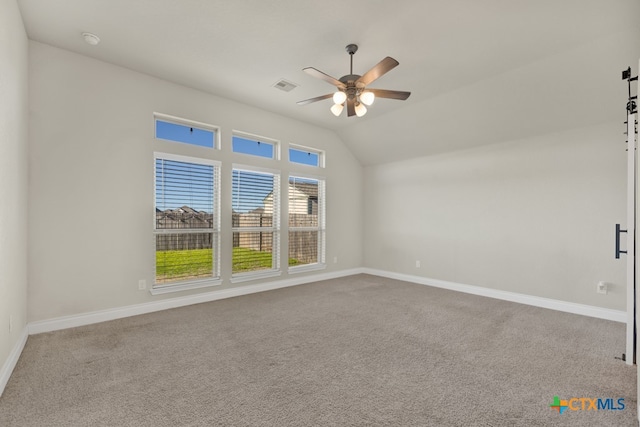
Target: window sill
245 277
166 289
305 268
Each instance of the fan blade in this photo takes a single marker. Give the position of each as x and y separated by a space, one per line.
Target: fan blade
322 76
391 94
381 68
351 107
317 98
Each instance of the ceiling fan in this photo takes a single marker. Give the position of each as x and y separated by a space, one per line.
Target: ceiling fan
352 88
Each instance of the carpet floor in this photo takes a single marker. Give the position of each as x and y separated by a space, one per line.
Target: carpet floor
355 351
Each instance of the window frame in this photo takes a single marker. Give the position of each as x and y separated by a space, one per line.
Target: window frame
256 138
275 227
186 122
215 230
321 228
319 153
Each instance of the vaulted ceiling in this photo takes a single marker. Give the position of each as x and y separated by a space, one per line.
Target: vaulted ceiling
480 72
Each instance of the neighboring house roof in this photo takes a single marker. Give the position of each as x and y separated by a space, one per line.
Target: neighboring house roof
183 217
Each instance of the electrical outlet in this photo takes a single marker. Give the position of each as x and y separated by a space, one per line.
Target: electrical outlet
142 285
602 288
335 259
417 264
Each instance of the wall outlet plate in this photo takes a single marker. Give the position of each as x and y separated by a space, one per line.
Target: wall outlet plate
602 288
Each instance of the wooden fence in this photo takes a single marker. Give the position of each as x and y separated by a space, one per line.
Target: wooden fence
183 241
303 245
175 220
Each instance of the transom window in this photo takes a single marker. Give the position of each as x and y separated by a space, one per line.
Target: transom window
305 156
185 131
254 146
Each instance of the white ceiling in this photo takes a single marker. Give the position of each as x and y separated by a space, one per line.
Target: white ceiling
479 71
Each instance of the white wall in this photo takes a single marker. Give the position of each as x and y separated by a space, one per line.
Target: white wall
91 187
13 177
518 103
535 216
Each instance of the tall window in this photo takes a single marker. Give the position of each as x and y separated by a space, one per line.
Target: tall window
187 219
256 221
306 222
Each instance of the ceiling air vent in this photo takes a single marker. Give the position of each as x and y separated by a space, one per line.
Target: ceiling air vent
285 85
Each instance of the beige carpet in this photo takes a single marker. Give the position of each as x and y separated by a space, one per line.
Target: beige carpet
358 351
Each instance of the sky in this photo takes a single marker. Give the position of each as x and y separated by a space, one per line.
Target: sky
186 134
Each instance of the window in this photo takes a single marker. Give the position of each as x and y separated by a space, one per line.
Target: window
256 221
306 222
185 131
254 146
305 156
186 220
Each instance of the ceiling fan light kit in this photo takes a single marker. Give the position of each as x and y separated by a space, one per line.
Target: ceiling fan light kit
367 97
339 97
361 110
352 88
336 109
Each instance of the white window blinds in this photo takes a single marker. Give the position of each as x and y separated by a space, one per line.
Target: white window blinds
306 221
256 221
186 219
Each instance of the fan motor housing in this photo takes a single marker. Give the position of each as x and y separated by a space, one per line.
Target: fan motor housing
349 79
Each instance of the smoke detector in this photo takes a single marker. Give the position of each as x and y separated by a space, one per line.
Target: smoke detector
91 39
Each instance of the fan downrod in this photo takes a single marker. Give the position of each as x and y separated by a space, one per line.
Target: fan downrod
351 49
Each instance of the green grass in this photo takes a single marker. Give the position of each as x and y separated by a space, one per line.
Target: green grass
172 266
250 260
182 265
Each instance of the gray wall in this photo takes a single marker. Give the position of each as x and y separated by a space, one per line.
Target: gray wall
13 176
91 190
533 216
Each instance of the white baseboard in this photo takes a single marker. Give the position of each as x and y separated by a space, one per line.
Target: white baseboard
12 360
568 307
137 309
82 319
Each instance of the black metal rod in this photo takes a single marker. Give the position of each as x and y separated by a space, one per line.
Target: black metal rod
618 231
631 105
